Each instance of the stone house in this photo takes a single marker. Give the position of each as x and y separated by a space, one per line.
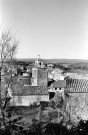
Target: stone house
57 86
27 95
77 100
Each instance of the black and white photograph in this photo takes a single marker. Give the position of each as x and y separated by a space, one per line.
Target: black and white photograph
43 67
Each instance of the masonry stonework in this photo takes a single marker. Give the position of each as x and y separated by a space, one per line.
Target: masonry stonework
39 77
27 100
42 77
77 101
78 105
34 76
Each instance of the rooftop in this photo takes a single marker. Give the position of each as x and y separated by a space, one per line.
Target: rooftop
77 85
29 90
59 84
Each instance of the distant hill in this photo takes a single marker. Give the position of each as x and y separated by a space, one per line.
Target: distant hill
69 61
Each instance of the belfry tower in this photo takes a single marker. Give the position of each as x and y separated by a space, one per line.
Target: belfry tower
39 62
39 73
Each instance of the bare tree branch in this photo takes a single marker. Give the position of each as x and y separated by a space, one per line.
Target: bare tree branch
8 49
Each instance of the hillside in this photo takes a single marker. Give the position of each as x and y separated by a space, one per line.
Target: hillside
55 60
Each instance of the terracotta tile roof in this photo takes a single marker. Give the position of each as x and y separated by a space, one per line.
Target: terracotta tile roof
59 84
77 85
7 78
30 90
25 80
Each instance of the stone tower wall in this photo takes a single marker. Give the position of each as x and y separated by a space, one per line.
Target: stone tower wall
42 77
34 76
39 77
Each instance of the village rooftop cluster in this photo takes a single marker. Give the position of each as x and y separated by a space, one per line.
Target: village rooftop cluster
35 83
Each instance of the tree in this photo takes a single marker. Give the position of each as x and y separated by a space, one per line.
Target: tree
8 48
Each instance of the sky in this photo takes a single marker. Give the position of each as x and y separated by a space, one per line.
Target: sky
50 28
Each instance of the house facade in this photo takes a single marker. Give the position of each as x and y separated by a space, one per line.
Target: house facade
30 94
77 100
57 86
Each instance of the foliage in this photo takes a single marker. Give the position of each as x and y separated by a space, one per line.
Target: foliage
82 66
62 67
8 49
34 105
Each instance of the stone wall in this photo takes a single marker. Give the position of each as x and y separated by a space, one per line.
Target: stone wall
74 106
34 76
27 100
39 77
78 106
42 77
77 100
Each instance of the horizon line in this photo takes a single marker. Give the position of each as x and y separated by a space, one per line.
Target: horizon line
53 58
